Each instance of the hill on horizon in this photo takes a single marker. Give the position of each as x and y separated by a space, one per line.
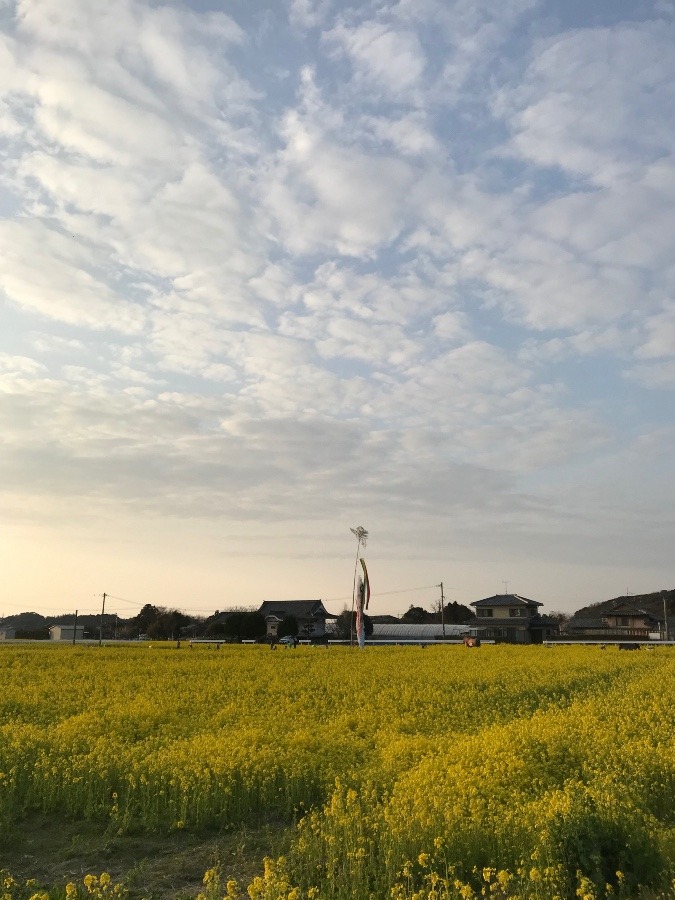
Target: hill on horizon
651 603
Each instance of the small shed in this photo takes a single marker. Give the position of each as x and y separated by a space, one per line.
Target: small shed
66 632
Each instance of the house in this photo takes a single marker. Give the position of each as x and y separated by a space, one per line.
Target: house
512 619
623 620
7 633
66 632
311 616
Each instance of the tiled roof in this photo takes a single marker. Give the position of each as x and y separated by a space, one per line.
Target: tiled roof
585 622
626 609
506 600
303 609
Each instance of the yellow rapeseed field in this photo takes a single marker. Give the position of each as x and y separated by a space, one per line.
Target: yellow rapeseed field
405 772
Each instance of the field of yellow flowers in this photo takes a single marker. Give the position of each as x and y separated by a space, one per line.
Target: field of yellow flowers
402 773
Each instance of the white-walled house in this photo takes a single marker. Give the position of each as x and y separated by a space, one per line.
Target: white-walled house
512 618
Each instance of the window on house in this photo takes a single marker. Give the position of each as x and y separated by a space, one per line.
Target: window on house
485 613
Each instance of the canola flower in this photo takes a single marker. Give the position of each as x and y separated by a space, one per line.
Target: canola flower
92 887
509 772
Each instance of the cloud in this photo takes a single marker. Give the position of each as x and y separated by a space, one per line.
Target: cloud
54 275
20 365
410 135
660 375
185 454
308 13
621 119
326 195
392 61
659 333
376 282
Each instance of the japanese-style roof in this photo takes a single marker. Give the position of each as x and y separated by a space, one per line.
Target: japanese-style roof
506 600
585 622
627 609
301 609
597 622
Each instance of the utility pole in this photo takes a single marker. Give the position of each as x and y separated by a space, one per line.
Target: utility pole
665 619
75 628
100 631
442 610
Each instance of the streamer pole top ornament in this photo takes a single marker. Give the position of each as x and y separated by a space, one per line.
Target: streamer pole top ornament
360 534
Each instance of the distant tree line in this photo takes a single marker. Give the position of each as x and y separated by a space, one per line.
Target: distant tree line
155 623
453 614
240 625
160 623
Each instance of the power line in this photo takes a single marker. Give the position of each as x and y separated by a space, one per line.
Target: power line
124 600
137 605
426 587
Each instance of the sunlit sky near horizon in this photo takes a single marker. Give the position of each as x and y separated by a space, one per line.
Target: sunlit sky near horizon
269 271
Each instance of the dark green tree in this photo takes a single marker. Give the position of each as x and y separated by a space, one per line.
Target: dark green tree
456 613
288 627
417 615
215 629
146 617
345 625
241 626
253 626
167 626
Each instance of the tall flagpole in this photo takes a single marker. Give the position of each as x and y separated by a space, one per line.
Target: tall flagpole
361 536
362 601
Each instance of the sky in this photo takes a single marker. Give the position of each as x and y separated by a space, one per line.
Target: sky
271 271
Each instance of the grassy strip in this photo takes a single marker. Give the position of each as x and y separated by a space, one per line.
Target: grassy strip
171 866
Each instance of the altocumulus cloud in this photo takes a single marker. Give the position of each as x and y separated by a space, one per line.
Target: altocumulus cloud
286 265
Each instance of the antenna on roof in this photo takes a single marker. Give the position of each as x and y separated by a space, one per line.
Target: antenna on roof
506 586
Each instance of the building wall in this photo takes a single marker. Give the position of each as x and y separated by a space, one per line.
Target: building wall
497 631
65 633
628 622
503 612
318 627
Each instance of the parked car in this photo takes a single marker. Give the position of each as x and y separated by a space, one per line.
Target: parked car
289 639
